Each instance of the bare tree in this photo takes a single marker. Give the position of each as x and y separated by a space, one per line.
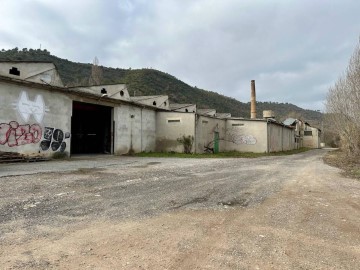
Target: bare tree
343 106
96 77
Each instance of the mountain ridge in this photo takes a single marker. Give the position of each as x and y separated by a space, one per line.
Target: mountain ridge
147 81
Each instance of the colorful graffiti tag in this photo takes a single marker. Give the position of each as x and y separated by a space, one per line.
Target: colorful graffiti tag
54 139
14 134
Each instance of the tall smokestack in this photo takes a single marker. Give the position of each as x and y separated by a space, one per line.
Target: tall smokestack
253 100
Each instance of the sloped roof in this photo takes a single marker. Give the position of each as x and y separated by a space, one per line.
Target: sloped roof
290 121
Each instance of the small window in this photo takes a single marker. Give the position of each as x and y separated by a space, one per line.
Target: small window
14 71
165 103
308 133
205 122
122 93
154 103
173 120
237 125
186 110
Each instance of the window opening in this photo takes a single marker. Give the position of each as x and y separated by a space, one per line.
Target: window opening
14 71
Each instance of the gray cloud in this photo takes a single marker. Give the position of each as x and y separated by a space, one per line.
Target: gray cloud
293 49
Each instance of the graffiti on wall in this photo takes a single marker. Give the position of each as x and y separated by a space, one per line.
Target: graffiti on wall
14 134
54 139
241 139
246 139
26 107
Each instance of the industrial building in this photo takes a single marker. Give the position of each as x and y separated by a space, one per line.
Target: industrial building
40 116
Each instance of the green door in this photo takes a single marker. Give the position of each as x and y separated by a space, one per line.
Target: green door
216 142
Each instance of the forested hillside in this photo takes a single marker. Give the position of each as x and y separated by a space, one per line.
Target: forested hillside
154 82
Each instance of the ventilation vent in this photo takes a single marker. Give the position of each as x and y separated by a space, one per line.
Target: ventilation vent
173 121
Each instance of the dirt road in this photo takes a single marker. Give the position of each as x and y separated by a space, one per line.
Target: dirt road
290 212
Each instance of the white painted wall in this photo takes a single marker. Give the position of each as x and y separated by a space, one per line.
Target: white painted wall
173 125
33 120
246 136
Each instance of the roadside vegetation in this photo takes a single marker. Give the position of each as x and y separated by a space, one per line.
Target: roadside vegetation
232 154
339 159
343 107
343 114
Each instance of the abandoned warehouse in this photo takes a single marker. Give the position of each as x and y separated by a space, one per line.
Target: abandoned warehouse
40 116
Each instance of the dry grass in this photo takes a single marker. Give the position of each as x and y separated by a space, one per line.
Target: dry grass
350 166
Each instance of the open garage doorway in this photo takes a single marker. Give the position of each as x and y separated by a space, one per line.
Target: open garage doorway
91 129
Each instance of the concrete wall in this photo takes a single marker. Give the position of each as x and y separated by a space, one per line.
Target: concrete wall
153 101
209 112
171 126
205 131
134 129
183 107
313 140
281 138
246 136
34 120
116 91
43 73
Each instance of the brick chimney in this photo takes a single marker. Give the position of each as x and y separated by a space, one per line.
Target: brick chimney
253 101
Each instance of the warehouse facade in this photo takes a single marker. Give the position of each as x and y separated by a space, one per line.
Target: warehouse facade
40 116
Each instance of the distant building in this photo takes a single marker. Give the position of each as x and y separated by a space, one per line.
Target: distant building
305 135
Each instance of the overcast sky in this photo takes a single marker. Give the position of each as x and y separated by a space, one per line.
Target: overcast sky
293 49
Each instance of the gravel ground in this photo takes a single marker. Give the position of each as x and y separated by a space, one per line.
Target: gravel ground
106 212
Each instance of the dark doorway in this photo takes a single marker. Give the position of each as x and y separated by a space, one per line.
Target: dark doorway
90 128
